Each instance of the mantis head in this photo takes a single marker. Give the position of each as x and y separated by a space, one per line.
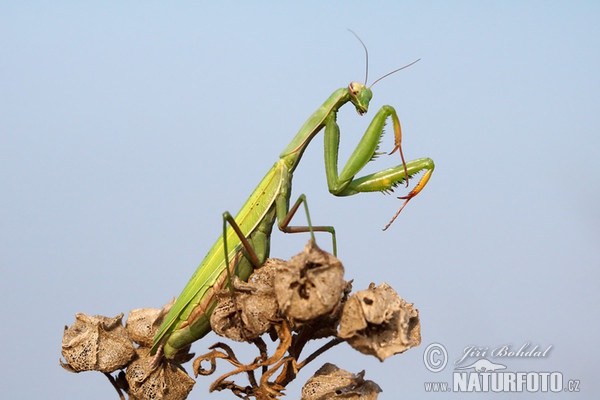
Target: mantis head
360 96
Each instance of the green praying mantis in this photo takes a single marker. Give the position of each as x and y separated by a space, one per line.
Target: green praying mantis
245 241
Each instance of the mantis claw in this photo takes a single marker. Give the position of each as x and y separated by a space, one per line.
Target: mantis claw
417 189
398 212
398 146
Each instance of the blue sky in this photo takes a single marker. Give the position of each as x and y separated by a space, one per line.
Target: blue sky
127 128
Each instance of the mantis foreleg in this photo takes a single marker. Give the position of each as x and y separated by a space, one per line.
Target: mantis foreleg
344 183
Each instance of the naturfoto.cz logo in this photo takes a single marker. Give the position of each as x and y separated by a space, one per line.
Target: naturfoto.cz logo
485 375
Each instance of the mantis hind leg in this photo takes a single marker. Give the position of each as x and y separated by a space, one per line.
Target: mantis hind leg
254 258
284 215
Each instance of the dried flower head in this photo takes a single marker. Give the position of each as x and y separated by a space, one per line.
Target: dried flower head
142 325
310 285
377 321
253 302
168 381
96 343
330 382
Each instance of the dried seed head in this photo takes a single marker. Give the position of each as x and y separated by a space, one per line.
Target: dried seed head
96 343
330 382
253 302
142 325
168 381
310 285
307 289
377 321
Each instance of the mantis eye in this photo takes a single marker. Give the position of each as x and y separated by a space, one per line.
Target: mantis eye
354 88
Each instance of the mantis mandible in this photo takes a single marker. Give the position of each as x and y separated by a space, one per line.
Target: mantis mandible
245 243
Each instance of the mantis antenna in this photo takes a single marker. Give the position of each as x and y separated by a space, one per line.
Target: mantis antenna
394 71
367 63
366 55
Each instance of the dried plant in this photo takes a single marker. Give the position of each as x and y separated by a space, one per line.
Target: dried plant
293 302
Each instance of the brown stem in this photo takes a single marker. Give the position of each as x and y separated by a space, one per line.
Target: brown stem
115 385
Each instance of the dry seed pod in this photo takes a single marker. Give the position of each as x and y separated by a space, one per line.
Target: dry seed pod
327 325
254 302
310 285
96 343
168 381
265 275
377 321
141 325
330 382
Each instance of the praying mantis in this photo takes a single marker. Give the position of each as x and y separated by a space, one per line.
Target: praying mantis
245 241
